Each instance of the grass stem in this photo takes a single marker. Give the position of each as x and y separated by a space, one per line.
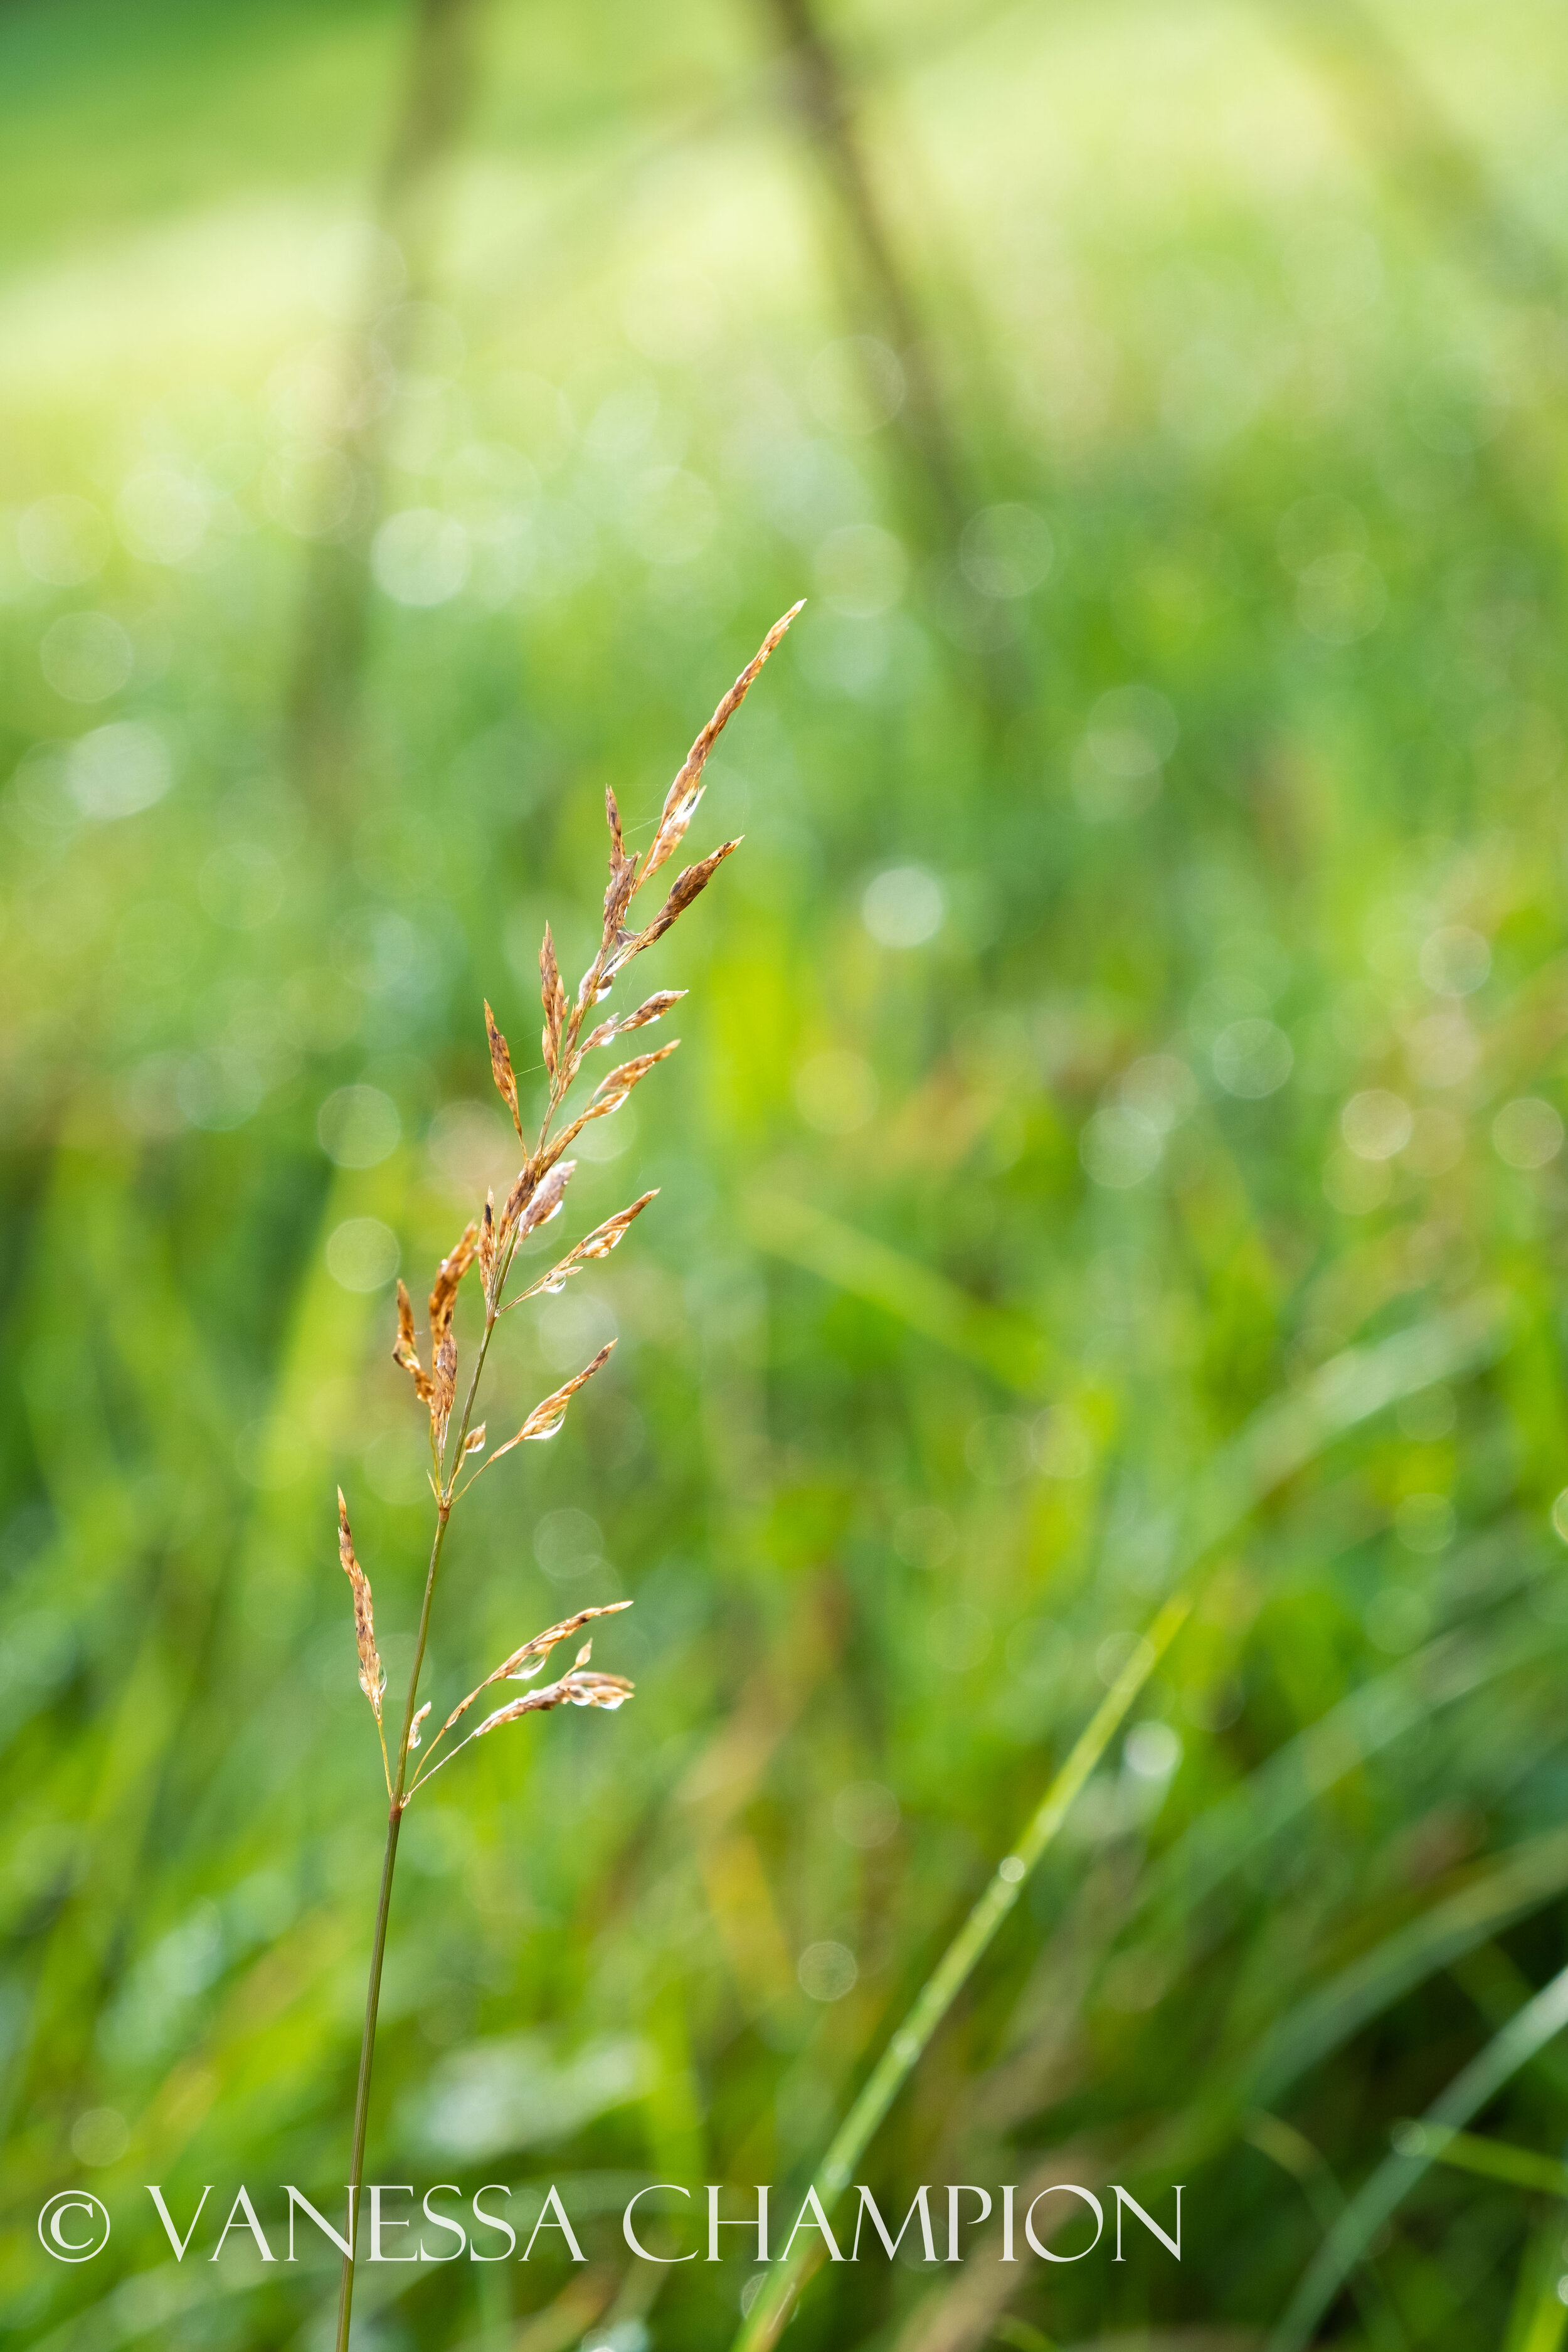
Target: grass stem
903 2052
389 1863
366 2057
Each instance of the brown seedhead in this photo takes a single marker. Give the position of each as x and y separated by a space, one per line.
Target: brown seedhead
535 1196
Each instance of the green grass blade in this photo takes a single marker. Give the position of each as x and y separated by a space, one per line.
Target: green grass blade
936 1996
1507 1890
1494 2159
1277 1442
1391 2182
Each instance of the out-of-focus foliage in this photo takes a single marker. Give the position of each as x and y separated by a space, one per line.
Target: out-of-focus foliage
1142 981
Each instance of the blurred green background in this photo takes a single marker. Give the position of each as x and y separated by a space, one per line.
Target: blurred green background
1142 982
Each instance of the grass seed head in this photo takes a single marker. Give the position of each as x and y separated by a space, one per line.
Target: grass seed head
500 1065
553 995
652 1009
576 1688
681 800
596 1245
550 1412
372 1673
444 1389
448 1277
529 1659
535 1198
688 885
617 896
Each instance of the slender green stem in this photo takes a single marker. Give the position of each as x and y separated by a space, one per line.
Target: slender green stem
1274 1445
393 1823
1380 2195
367 2050
903 2052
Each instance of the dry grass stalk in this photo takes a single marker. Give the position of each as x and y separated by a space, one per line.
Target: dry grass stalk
491 1242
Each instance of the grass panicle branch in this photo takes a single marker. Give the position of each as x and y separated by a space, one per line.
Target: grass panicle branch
490 1240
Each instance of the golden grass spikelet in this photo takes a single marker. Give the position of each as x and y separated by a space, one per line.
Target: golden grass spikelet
526 1661
487 1249
574 1689
622 882
534 1198
688 885
653 1008
443 1339
372 1673
406 1351
596 1245
448 1276
611 1092
550 1411
686 792
444 1387
553 997
500 1066
608 1096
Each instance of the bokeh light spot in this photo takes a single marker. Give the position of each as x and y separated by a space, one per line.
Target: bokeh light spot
1120 1147
828 1971
1455 960
1376 1124
568 1544
63 539
363 1253
904 906
420 557
1528 1133
1006 551
358 1127
86 657
1252 1059
866 1814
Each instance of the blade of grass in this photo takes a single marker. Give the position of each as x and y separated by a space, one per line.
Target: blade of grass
1516 1884
1494 2159
941 1987
1283 2144
1382 2195
1279 1440
1450 1668
1539 2316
